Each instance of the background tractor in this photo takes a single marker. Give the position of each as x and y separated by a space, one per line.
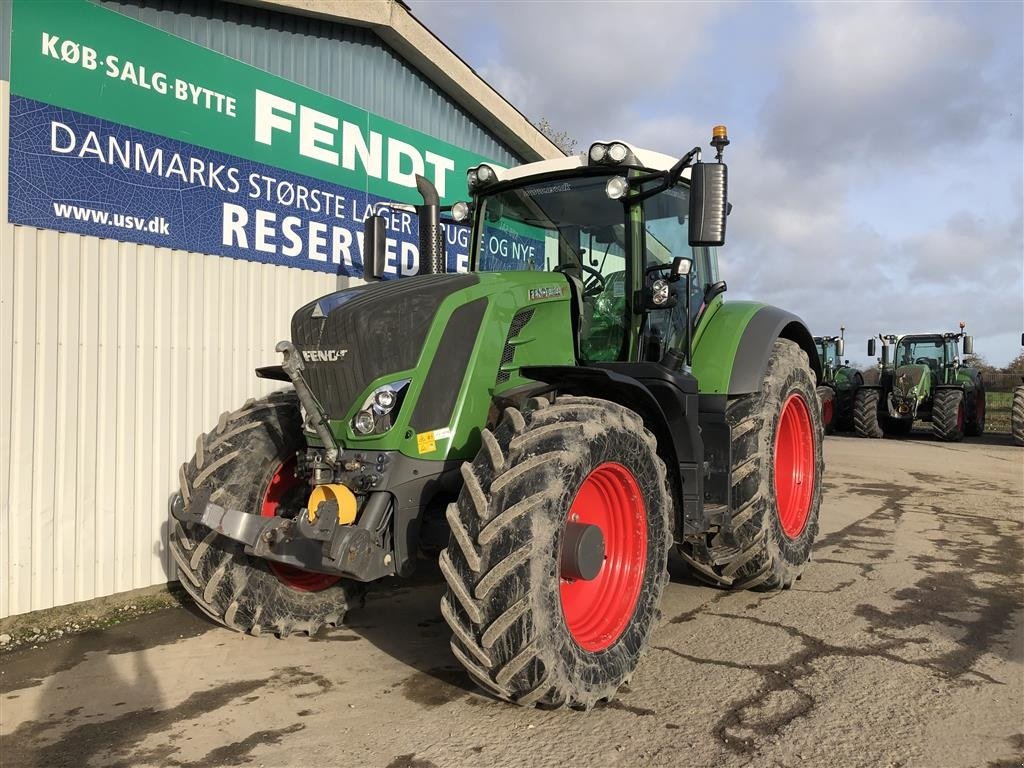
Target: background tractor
839 383
921 378
580 402
1017 410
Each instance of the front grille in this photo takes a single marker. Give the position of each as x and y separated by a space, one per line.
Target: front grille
508 354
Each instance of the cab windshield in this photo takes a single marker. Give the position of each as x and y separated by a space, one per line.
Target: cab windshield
928 352
570 225
827 352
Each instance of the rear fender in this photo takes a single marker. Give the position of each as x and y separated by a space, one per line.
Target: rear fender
732 351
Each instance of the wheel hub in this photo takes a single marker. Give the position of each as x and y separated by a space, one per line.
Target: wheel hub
582 551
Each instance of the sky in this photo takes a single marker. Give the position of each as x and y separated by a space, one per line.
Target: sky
877 160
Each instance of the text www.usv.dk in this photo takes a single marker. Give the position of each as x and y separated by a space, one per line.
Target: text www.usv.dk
157 224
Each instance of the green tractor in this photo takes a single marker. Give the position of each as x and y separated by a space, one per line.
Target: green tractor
922 378
839 383
1017 410
578 403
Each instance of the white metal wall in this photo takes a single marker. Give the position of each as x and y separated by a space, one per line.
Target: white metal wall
113 358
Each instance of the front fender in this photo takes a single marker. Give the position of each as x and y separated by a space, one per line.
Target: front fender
732 347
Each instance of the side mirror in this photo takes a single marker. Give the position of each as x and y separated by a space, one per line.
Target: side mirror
708 204
374 248
871 347
968 345
841 347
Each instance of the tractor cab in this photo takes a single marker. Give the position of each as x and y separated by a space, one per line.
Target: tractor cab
625 232
938 352
830 352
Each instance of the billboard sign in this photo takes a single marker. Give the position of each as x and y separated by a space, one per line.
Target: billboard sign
121 130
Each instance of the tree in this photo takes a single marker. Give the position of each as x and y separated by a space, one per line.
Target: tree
1015 366
560 139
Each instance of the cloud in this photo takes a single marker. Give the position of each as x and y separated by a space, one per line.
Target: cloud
575 64
877 167
874 83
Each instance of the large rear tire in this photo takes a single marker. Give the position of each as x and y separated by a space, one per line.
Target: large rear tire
1017 416
844 404
777 466
827 396
522 627
866 421
948 415
975 426
248 463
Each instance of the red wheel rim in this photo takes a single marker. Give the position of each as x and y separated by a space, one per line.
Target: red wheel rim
597 611
794 465
826 412
287 490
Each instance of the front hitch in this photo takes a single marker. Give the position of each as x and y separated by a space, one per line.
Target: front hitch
322 544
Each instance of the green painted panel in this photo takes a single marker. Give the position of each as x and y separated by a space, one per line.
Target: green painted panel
546 340
717 340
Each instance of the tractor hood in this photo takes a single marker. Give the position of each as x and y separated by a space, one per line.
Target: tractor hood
912 382
350 338
442 345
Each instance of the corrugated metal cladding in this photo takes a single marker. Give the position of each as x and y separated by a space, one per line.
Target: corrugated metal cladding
113 358
348 63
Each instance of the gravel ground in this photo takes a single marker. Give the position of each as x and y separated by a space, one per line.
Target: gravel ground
902 645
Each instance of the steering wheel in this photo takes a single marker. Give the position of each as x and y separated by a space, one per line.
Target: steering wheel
593 284
924 361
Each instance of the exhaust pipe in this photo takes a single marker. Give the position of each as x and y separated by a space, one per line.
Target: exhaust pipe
433 258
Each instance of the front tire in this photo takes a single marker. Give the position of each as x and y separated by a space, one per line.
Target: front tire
948 415
1017 416
866 421
776 475
521 627
827 396
248 463
975 426
844 404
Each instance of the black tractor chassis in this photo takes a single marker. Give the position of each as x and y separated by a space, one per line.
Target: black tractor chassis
694 441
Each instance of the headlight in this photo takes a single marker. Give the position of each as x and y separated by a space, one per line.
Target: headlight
364 422
485 174
471 178
660 292
616 188
384 400
460 211
378 411
617 152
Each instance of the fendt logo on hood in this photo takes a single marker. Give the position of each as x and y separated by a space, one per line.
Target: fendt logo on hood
323 355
